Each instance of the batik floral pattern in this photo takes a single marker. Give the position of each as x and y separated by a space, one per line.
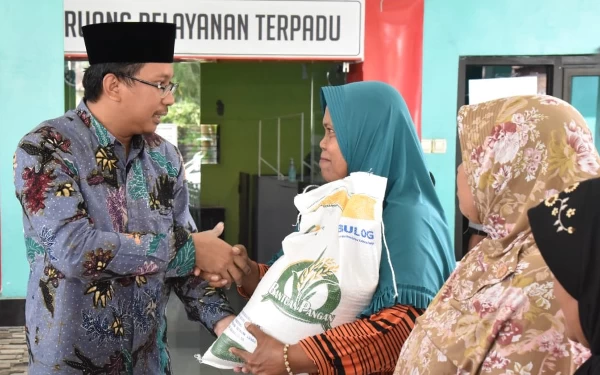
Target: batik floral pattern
36 187
116 203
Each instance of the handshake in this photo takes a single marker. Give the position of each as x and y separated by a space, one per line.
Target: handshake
220 263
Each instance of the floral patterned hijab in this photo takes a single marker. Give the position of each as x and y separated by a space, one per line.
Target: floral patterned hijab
517 152
496 313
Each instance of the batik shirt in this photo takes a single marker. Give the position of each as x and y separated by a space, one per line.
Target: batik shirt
107 238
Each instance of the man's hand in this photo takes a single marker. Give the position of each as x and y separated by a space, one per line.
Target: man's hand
215 256
242 262
222 324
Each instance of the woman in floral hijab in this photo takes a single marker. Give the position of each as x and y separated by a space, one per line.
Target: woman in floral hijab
497 313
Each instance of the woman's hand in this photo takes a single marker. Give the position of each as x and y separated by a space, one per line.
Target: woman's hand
267 358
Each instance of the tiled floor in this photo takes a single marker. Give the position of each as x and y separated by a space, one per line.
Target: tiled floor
13 351
185 339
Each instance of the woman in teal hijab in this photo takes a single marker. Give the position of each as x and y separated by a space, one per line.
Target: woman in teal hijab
368 128
375 133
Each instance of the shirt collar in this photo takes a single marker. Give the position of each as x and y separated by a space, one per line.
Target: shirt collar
104 137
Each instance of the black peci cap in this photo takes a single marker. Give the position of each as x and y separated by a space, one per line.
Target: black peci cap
129 42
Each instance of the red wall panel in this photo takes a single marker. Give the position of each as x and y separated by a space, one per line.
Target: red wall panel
394 49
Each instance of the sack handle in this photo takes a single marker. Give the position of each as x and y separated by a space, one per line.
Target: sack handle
299 214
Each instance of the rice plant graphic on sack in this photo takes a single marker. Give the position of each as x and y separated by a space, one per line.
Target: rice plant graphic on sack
327 274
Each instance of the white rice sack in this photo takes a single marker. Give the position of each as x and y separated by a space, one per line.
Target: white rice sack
327 275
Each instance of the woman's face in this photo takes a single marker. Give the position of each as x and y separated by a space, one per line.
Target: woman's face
332 163
570 308
466 202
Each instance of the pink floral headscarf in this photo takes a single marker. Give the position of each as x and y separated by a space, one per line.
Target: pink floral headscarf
517 152
497 311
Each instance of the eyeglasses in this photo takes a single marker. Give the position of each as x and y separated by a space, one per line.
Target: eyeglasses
164 90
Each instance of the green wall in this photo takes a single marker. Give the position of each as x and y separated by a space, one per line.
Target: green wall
476 28
31 73
252 91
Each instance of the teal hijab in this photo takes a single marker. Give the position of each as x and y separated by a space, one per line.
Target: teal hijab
375 133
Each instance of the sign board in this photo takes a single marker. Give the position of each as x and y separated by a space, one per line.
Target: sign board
235 29
168 132
483 90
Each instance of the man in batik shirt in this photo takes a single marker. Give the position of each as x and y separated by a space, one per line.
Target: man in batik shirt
107 227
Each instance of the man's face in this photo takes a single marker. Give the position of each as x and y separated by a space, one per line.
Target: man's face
142 105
